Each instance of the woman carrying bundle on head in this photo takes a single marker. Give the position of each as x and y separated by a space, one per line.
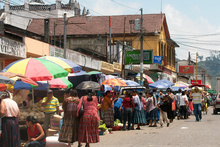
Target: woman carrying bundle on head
36 134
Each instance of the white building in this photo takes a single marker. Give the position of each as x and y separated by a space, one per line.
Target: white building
21 15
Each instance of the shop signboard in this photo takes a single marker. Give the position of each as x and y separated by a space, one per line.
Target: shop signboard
117 67
12 47
133 57
107 68
211 91
186 69
196 82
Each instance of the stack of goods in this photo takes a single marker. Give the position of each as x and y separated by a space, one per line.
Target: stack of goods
54 125
117 125
39 112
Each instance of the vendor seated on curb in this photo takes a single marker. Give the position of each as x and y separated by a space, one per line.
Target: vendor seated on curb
36 135
51 105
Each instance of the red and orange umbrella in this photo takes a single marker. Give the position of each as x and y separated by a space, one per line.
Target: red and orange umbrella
114 82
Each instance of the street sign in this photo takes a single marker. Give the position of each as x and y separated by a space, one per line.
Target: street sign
133 57
158 59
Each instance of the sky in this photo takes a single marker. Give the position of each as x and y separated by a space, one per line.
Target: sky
193 24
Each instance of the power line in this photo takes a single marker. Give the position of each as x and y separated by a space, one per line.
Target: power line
124 5
197 47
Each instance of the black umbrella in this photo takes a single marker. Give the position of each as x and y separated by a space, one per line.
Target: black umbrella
88 85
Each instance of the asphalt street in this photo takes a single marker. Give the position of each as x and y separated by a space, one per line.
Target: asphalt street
180 133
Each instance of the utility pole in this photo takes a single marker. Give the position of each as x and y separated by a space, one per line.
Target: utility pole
64 55
123 52
196 65
54 31
141 49
110 39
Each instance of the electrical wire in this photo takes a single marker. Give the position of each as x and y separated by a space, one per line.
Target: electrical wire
124 5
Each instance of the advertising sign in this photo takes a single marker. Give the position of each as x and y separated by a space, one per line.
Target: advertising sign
186 69
133 57
158 59
194 82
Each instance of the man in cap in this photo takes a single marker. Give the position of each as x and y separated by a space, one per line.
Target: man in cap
51 105
197 97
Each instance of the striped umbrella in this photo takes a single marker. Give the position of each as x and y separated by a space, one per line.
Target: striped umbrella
64 63
149 79
62 83
114 82
36 69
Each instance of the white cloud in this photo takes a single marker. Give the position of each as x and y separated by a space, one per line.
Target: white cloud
180 24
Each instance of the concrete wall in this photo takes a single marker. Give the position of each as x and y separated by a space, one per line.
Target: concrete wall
93 44
35 48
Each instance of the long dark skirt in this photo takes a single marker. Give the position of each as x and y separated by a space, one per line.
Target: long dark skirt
170 114
69 129
10 132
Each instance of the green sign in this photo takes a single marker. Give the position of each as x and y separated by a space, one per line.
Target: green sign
211 91
133 57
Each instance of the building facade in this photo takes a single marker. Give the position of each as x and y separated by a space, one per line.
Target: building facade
21 15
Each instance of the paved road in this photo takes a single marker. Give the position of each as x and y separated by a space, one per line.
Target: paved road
181 133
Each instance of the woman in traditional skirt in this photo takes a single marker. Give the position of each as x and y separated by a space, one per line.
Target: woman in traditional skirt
152 109
69 129
10 127
89 121
138 116
107 106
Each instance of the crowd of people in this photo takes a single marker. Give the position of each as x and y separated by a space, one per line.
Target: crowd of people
82 115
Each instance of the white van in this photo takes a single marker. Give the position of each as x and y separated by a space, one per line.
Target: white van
131 88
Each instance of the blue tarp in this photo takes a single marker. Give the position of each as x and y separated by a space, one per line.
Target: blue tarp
161 84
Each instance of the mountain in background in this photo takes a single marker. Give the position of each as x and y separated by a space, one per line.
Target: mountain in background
212 66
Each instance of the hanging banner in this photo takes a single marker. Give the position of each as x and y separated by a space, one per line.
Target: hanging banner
133 57
158 59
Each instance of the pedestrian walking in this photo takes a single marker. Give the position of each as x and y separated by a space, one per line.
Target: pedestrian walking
89 121
117 107
69 129
107 106
10 136
138 116
183 103
190 100
36 134
128 106
152 109
164 107
170 112
51 106
197 103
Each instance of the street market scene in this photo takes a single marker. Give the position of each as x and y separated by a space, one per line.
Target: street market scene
75 74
